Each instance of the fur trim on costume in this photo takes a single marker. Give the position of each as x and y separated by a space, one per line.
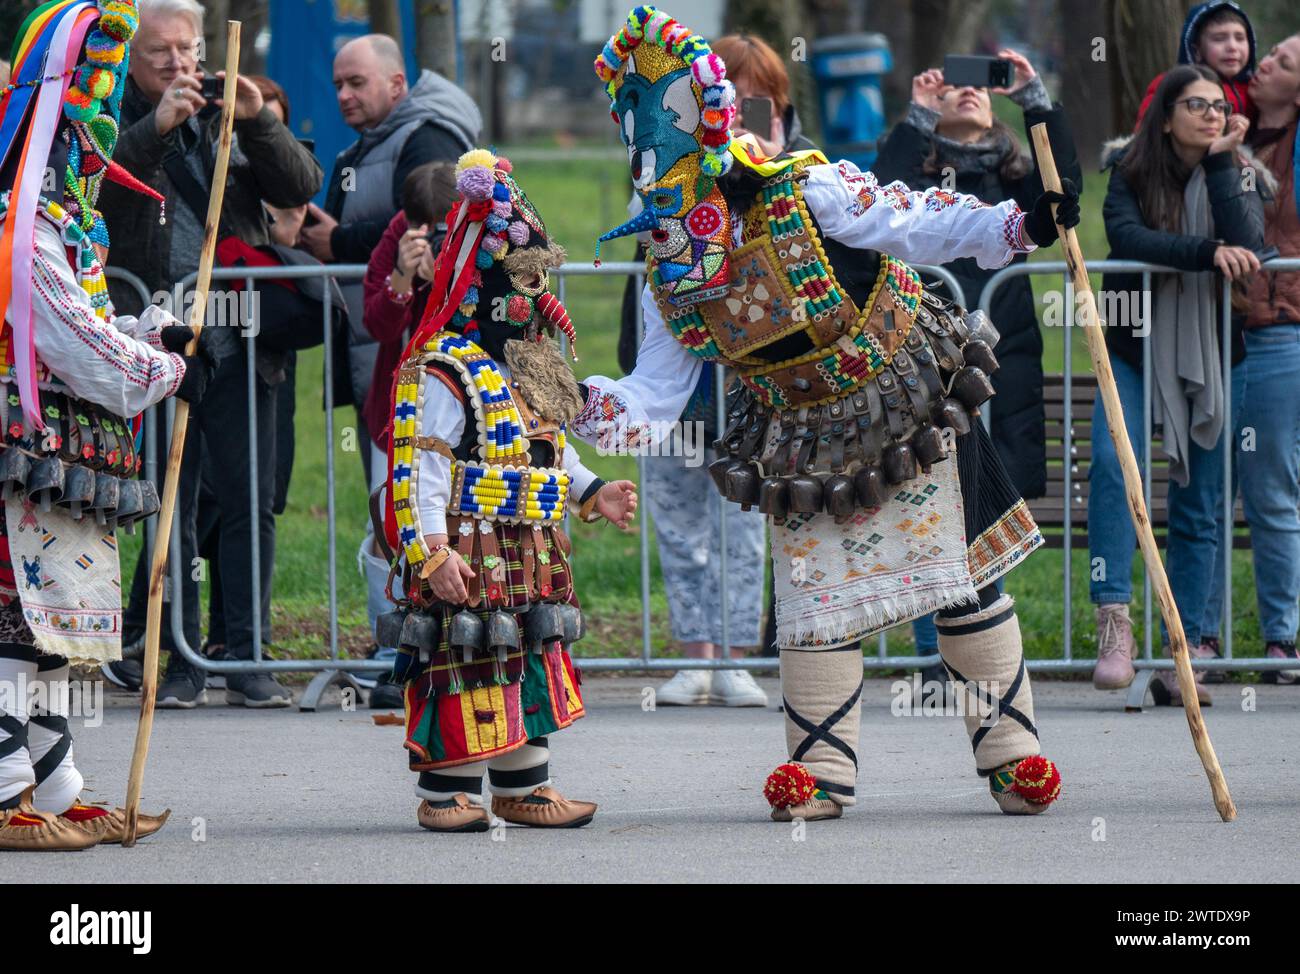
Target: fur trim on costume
545 380
534 260
790 784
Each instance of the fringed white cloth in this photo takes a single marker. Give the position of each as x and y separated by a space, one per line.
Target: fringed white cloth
836 583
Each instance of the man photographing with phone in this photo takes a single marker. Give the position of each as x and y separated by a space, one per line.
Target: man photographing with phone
170 129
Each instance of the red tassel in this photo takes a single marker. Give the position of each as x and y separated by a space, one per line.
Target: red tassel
789 785
1036 780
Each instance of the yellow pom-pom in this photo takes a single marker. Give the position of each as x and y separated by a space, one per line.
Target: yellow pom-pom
476 157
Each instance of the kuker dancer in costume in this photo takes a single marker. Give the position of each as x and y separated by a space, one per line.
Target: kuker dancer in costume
74 377
853 381
481 479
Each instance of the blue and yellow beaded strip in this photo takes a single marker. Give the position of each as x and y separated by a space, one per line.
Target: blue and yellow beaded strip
531 495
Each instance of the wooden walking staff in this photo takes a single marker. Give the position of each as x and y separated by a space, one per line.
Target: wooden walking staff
1092 328
162 539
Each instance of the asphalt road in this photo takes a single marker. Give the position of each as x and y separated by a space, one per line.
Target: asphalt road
283 796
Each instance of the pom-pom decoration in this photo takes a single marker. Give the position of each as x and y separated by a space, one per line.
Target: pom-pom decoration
789 785
476 158
1036 780
518 233
475 183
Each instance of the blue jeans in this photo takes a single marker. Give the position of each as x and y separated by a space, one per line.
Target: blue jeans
1268 471
1192 545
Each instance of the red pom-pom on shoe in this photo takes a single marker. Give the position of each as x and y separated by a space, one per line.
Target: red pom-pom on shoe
789 785
1036 780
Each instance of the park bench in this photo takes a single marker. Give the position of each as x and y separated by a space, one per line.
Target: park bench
1049 511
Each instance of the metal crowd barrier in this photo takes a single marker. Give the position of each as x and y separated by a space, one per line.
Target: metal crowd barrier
1147 665
338 669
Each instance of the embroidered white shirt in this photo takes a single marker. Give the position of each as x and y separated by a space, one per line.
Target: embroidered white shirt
850 206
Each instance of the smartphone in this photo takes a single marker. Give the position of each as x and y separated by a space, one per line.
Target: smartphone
975 71
212 88
756 116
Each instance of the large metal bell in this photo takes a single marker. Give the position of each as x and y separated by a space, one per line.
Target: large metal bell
420 633
15 467
742 484
128 504
899 463
971 387
388 628
928 446
542 626
45 482
466 635
869 486
108 490
718 471
149 502
502 634
575 626
774 497
950 414
805 494
979 354
78 490
838 497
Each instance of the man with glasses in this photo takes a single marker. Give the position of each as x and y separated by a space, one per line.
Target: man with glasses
169 137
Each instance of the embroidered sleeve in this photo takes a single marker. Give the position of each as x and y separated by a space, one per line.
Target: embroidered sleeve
94 358
629 413
933 226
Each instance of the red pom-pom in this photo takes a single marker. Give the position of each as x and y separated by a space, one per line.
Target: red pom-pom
789 785
503 164
1036 780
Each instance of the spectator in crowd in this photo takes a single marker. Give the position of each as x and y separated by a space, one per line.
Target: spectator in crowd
169 137
396 288
1220 36
1177 197
1269 417
684 504
951 139
399 128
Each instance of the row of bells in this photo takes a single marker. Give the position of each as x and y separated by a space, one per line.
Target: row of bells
49 482
543 624
841 494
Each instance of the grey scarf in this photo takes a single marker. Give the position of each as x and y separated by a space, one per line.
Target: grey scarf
1186 361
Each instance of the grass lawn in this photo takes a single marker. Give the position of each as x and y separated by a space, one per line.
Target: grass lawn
580 200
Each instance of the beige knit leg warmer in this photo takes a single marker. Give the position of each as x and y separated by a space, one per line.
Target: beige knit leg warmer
982 652
822 692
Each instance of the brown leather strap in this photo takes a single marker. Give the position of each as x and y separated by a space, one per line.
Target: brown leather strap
433 444
528 548
493 580
377 522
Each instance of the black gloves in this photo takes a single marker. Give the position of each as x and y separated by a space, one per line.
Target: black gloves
198 367
176 337
1039 225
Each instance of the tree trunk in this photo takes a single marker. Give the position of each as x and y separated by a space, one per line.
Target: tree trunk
215 15
386 19
1085 88
963 28
894 20
253 15
1143 41
435 36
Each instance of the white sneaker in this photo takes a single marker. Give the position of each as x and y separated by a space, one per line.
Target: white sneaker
689 688
736 688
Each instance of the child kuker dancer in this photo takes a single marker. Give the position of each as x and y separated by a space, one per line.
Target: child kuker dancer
481 479
853 380
73 375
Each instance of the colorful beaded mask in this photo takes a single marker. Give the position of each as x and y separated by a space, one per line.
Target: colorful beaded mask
491 276
672 102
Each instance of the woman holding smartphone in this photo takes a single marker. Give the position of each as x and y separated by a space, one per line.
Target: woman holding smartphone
1178 196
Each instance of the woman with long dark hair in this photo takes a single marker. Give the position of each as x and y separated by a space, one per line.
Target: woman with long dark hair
1177 197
